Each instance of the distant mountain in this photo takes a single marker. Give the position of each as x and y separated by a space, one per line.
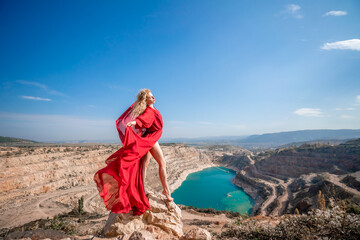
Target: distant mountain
204 140
273 140
252 142
14 140
302 136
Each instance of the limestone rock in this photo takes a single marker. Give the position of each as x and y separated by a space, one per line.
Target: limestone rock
162 221
160 233
141 235
197 234
166 216
122 224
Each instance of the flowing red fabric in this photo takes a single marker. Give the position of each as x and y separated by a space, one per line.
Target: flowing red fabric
120 183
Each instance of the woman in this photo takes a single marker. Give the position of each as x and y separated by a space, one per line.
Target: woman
121 183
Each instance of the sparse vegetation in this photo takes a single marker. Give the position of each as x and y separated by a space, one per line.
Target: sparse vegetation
81 205
331 223
60 223
296 212
321 200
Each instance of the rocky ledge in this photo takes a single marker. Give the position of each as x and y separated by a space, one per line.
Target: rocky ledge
162 221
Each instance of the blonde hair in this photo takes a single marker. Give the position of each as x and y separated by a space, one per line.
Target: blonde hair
140 105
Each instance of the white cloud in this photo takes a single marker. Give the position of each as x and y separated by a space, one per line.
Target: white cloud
40 85
293 9
36 98
358 99
352 44
309 112
345 109
36 84
336 13
347 117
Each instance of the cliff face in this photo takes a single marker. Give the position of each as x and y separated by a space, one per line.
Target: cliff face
286 179
29 171
293 162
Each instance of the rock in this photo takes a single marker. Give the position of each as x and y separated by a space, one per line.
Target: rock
162 221
141 235
90 229
165 215
196 234
159 233
122 224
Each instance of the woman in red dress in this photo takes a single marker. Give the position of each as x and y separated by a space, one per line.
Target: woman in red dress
121 183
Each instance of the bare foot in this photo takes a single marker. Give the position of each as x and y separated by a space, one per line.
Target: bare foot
168 197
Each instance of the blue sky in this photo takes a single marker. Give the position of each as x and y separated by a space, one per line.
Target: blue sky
70 68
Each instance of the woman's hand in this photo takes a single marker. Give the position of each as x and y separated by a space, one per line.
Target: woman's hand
131 124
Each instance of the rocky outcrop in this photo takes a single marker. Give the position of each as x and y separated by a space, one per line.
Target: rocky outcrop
141 235
162 221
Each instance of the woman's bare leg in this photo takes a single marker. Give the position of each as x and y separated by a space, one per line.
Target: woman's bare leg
157 153
146 160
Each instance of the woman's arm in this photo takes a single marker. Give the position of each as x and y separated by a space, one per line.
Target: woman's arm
145 120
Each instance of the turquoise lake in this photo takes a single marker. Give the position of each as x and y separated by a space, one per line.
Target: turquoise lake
212 188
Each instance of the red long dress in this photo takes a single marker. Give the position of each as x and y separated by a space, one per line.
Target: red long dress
120 183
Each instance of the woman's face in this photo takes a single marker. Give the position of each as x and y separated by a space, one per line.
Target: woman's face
150 99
